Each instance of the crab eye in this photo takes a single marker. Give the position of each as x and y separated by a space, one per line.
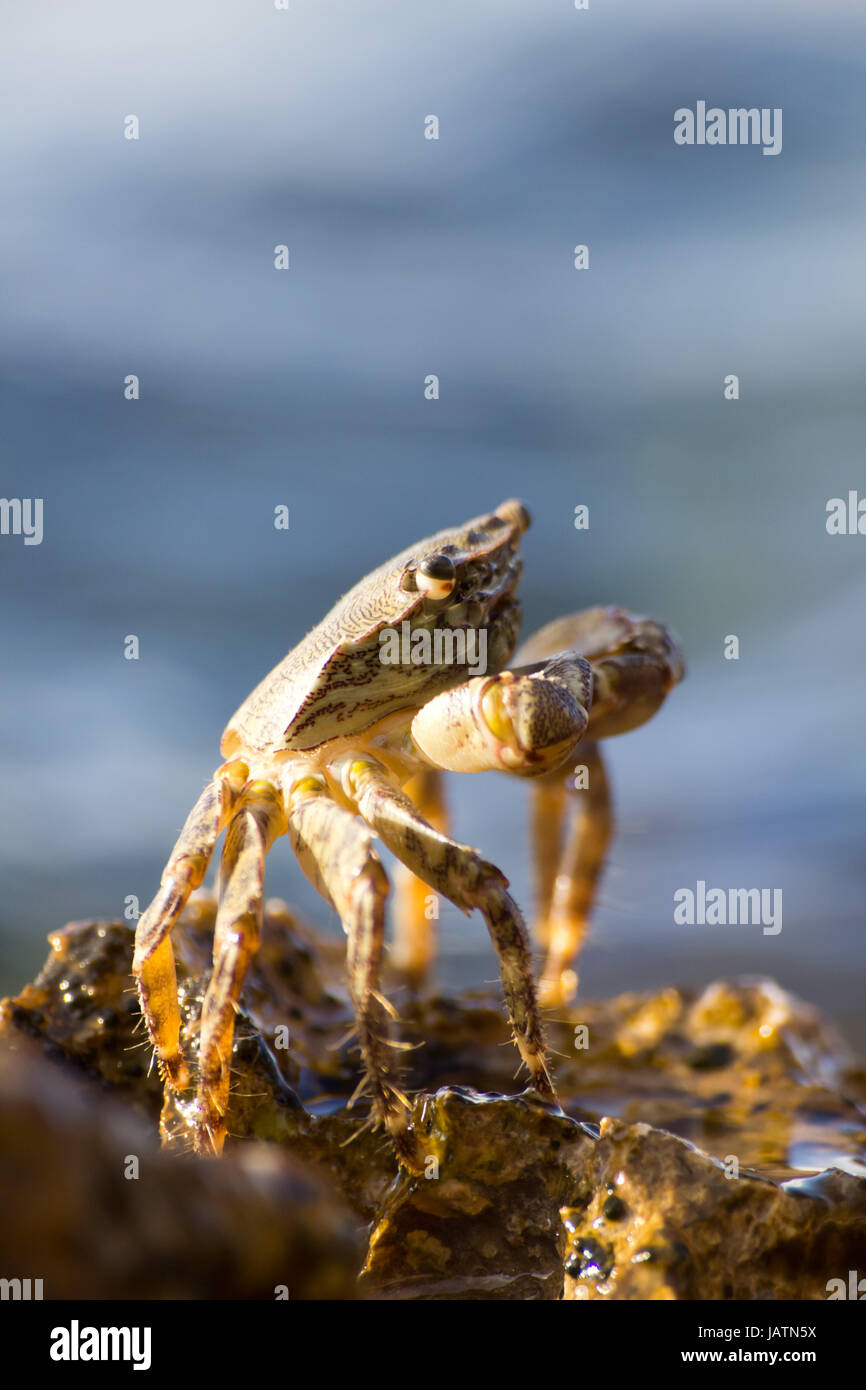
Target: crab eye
436 576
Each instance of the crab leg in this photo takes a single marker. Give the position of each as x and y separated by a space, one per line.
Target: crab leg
548 802
337 855
568 873
414 932
635 662
461 875
600 672
237 932
153 962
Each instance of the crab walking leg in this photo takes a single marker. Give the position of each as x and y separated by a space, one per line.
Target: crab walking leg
153 961
635 661
414 931
548 799
461 875
237 933
566 904
337 855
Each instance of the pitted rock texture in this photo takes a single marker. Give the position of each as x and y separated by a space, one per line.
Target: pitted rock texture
625 1195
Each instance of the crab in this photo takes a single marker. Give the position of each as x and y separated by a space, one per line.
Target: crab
338 746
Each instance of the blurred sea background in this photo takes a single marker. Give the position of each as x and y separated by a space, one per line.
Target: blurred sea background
305 388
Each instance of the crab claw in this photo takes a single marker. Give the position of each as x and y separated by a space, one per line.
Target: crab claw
526 721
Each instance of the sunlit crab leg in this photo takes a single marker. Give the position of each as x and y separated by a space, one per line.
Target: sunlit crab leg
568 866
337 855
547 813
635 662
153 962
461 875
414 929
250 835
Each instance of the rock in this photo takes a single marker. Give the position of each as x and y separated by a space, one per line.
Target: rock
657 1219
484 1221
520 1202
523 1204
82 1011
95 1209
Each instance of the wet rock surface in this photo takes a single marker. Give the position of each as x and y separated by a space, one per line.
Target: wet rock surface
518 1202
94 1208
485 1221
656 1219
